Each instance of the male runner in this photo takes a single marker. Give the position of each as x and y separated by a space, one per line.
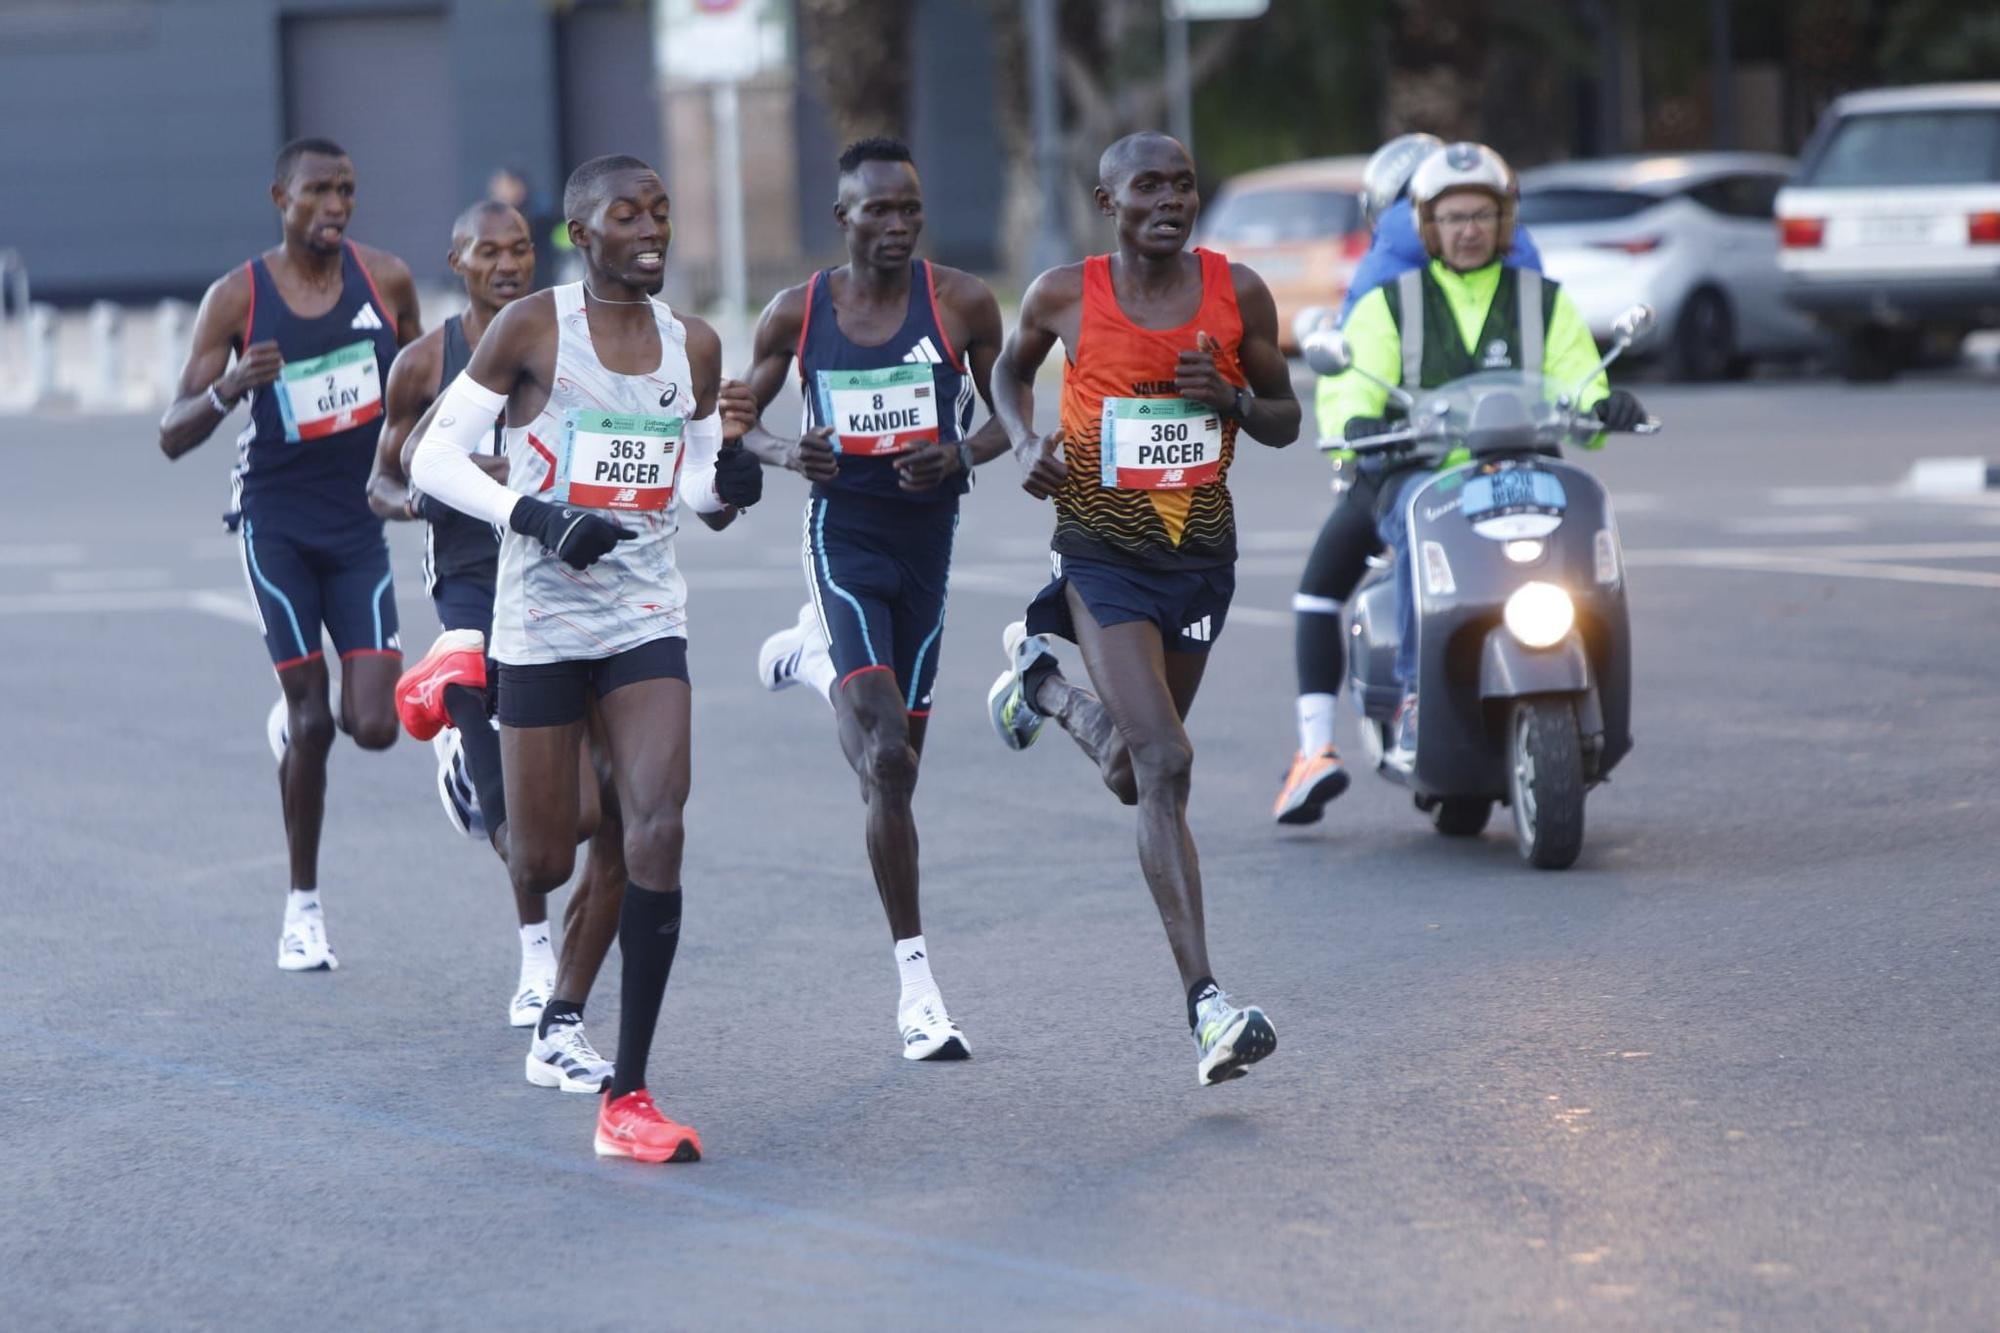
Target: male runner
890 349
616 411
444 698
1169 354
314 323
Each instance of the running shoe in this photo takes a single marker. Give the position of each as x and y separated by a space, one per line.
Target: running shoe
565 1059
633 1127
303 946
1014 718
929 1033
1230 1039
454 783
457 658
781 656
1314 780
277 733
531 992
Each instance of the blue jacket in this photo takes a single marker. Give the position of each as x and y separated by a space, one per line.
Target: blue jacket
1398 249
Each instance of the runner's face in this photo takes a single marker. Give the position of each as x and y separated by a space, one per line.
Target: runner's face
628 244
317 202
497 261
1156 203
881 209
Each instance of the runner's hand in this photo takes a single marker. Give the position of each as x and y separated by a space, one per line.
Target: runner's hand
922 468
257 366
739 477
813 455
1042 468
738 407
1197 379
492 465
577 537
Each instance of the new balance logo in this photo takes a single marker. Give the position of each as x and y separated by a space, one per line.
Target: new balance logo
366 318
1199 631
626 495
924 353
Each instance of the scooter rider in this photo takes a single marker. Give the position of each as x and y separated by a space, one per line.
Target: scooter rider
1464 312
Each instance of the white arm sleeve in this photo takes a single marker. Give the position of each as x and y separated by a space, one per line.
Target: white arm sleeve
703 441
443 466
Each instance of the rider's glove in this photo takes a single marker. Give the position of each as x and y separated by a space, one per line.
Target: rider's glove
1621 411
1361 428
739 477
577 537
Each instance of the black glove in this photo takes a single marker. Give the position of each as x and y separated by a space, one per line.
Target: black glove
577 537
1360 428
1621 411
739 477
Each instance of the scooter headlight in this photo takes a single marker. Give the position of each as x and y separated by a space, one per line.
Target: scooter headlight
1523 551
1539 614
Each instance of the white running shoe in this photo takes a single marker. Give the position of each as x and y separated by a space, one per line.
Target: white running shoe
1229 1039
929 1033
454 783
1016 719
783 653
531 992
303 946
564 1059
276 734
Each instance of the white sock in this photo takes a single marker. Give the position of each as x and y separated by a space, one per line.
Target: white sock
301 900
816 670
913 965
535 947
1316 722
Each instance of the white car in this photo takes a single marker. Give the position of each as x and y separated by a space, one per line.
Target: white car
1690 234
1891 229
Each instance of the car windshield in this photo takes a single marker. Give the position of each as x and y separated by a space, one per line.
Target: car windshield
1547 207
1911 148
1270 217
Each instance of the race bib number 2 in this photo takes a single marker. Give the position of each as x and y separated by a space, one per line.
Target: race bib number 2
616 460
1159 444
330 393
876 412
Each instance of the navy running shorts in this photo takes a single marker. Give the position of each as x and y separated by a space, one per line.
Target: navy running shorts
1188 606
554 694
464 604
878 568
300 583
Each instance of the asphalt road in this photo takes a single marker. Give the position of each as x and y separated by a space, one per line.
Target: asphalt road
1737 1069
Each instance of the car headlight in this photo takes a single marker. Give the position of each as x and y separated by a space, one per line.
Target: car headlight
1539 614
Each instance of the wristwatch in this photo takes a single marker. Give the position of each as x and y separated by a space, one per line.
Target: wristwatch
220 404
965 457
1236 410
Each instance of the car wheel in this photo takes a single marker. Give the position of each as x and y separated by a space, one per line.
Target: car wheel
1705 338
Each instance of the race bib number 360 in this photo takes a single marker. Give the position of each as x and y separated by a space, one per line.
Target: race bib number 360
615 460
875 412
1159 444
330 393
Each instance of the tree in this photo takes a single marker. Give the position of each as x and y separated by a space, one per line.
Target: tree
858 54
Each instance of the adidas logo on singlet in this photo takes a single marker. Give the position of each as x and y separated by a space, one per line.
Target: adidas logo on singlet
366 318
924 353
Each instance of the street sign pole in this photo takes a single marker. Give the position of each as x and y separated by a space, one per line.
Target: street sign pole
730 247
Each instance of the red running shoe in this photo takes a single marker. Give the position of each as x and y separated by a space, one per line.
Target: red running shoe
457 658
633 1127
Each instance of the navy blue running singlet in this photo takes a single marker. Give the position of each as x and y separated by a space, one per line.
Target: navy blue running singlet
457 546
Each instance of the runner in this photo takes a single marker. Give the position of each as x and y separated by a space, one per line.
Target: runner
616 411
1169 354
444 698
890 350
314 323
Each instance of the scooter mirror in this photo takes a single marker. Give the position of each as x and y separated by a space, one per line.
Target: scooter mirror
1310 320
1634 324
1327 352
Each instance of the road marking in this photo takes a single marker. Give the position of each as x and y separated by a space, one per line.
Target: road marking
1775 563
44 553
1783 525
108 580
229 605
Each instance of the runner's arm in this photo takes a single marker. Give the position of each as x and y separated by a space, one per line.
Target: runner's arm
978 345
465 411
778 330
193 416
413 386
717 465
399 289
1013 378
1273 413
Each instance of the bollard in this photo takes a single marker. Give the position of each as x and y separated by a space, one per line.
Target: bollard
104 385
41 330
172 327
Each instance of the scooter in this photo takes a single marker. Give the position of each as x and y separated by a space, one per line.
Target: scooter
1524 673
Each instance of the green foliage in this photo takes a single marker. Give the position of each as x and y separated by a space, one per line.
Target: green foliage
1939 40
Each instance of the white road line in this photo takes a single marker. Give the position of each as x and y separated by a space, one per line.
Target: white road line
231 605
1768 563
108 580
1782 525
44 553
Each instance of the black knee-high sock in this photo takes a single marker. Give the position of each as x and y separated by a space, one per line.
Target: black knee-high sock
467 709
649 930
1320 652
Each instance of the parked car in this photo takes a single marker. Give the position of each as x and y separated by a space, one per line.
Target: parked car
1690 235
1891 229
1299 225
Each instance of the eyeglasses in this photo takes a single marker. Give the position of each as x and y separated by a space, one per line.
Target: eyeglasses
1485 217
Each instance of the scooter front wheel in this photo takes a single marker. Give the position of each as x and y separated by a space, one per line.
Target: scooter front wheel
1461 816
1545 782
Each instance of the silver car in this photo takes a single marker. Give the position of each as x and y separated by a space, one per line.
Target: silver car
1692 235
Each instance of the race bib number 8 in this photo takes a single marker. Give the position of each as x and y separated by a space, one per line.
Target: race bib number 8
330 393
1159 444
614 460
876 412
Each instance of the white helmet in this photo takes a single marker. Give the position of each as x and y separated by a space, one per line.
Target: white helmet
1387 175
1464 166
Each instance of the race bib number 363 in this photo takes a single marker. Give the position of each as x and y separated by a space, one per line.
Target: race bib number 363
330 393
1159 444
876 412
616 460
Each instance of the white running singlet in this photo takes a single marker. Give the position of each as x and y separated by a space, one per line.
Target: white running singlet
544 611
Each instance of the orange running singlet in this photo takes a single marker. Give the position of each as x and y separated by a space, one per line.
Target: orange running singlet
1163 502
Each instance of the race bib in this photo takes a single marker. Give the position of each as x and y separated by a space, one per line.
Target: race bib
1159 444
876 412
330 393
614 460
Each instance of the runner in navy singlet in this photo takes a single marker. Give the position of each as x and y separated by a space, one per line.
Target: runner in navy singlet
890 350
313 325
